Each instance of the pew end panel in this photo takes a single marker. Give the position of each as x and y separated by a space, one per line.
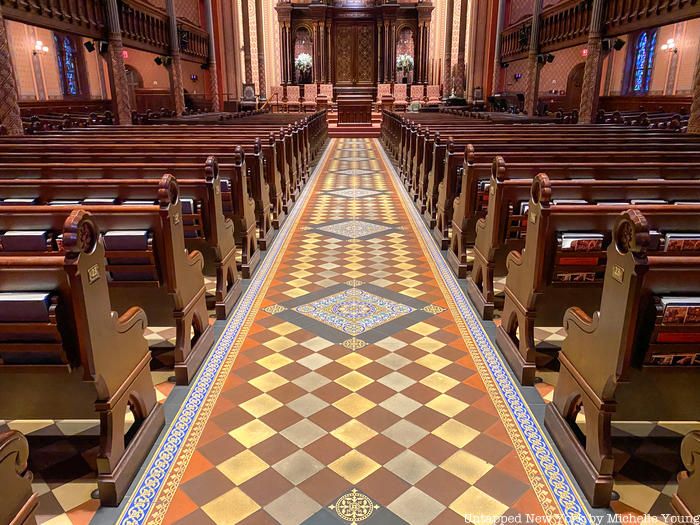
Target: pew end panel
19 502
244 216
686 502
107 373
609 361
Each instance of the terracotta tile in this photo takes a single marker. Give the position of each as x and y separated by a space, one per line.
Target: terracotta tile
434 449
442 486
325 486
274 449
281 418
327 449
197 465
378 418
266 487
383 486
329 418
381 449
426 418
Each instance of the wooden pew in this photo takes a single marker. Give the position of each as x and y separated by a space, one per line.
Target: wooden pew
205 226
152 269
686 501
624 363
537 288
18 502
67 355
503 227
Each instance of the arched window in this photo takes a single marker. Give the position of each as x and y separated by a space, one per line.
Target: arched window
643 61
68 55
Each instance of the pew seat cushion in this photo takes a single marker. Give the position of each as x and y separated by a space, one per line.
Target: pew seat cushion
25 241
24 307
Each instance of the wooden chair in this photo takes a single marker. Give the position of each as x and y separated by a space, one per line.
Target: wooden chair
383 95
276 99
400 96
18 502
417 93
433 96
293 98
310 97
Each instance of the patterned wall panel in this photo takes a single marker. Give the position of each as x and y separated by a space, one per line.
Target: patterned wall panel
21 46
188 9
49 66
517 10
554 76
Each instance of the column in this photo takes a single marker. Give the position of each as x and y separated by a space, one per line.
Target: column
392 50
459 77
590 89
387 56
447 67
694 121
175 68
121 105
322 55
532 84
247 59
380 48
10 116
497 49
330 55
260 30
418 55
213 73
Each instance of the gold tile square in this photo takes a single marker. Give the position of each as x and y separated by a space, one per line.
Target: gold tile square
274 361
298 283
231 507
241 467
280 344
488 507
353 433
284 328
261 405
353 361
439 382
447 405
456 433
423 328
409 283
412 292
354 466
354 404
295 292
353 381
252 433
434 362
428 344
267 382
466 466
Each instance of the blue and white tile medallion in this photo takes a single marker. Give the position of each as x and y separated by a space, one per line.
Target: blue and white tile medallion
354 311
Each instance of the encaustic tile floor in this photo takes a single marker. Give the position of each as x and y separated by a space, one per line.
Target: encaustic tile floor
353 389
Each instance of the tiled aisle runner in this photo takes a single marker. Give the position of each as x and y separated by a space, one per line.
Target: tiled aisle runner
353 396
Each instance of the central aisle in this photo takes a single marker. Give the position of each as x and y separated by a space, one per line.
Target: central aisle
350 393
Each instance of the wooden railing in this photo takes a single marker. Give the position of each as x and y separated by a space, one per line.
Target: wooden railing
144 26
84 17
196 40
515 40
565 25
623 16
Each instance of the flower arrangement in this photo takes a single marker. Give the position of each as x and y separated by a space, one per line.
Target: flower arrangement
303 62
404 63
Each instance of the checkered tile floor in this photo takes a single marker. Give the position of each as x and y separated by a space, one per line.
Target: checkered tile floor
353 377
62 454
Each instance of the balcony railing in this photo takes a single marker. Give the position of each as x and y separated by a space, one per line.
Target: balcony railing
144 26
564 25
515 40
86 17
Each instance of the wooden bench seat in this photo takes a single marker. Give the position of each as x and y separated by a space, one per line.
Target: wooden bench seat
205 226
503 227
170 286
537 291
80 361
614 365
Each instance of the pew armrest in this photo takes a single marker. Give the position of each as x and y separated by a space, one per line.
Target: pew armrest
195 258
514 259
131 318
577 319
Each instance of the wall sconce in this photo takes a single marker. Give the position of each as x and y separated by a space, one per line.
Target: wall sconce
518 76
40 48
670 46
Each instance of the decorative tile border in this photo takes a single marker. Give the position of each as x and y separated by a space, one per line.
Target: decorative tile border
158 484
559 498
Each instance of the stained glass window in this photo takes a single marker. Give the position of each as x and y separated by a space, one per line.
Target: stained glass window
67 56
643 61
